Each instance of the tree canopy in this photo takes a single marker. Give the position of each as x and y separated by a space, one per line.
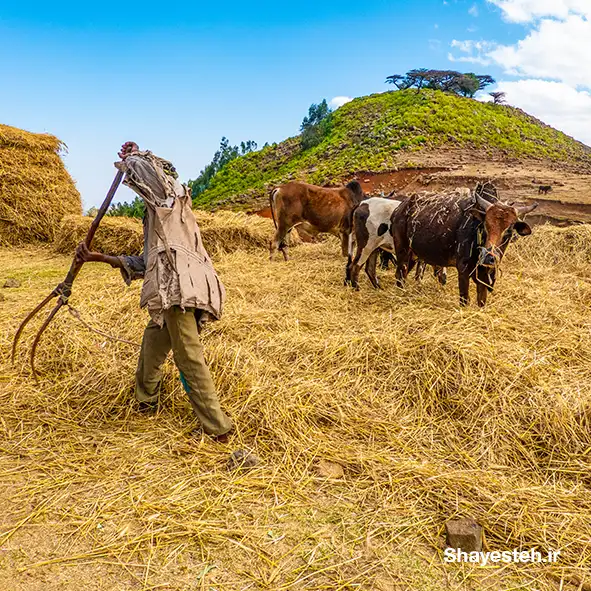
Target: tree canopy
225 153
446 80
315 125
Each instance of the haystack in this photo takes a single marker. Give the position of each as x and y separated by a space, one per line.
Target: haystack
36 191
115 235
227 231
223 231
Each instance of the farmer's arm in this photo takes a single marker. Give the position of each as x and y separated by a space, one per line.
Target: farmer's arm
131 267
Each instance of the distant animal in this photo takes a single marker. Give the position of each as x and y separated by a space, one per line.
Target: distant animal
370 232
544 189
468 232
321 209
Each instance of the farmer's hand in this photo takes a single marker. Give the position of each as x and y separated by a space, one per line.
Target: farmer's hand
86 256
83 254
127 149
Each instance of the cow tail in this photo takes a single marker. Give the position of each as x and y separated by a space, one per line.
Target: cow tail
272 204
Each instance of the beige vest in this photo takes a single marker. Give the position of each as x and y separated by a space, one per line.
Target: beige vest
174 231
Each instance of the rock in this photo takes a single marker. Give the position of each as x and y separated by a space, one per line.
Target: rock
11 282
243 459
464 534
329 469
2 297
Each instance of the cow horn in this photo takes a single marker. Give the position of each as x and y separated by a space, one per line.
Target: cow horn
525 209
482 202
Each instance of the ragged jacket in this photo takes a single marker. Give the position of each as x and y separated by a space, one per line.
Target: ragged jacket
175 266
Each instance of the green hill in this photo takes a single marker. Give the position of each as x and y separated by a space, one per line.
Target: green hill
390 130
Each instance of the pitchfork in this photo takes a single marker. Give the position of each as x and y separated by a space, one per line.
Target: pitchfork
64 289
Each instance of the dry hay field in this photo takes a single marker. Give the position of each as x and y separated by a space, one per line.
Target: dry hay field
432 411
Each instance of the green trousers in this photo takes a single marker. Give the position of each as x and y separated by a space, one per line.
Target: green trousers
180 334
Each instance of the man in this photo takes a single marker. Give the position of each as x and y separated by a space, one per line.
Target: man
181 289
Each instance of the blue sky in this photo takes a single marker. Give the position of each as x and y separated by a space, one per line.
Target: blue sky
176 77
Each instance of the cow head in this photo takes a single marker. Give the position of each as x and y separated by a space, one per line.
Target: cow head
356 191
500 221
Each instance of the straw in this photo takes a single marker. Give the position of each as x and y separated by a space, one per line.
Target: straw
435 412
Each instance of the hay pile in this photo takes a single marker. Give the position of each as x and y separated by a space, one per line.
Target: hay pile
115 235
35 189
433 411
226 231
223 231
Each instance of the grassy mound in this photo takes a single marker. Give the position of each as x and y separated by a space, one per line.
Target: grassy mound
382 131
221 232
35 189
433 412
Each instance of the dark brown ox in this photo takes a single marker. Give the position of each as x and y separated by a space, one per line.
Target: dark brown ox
468 232
320 209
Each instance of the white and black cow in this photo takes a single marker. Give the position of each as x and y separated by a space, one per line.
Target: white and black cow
370 233
371 236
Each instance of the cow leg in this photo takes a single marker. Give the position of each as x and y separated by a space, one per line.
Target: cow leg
361 256
344 236
464 285
370 269
485 279
348 271
441 274
403 261
278 242
481 293
420 272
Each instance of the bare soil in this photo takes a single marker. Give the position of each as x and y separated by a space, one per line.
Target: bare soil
568 203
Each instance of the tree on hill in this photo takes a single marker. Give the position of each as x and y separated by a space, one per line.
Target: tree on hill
225 153
315 125
498 97
445 80
135 209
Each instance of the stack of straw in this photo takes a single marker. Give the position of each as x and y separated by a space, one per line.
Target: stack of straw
35 189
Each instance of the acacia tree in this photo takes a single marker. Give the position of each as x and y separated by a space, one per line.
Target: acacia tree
498 97
445 80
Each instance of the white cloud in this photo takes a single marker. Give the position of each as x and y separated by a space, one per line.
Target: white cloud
523 11
476 52
339 101
473 10
554 57
555 49
555 103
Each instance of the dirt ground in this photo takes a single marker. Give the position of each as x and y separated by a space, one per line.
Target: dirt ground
518 180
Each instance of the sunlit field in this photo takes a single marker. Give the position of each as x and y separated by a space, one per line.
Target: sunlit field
432 411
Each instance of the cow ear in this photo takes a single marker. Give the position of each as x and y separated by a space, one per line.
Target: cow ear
477 213
522 228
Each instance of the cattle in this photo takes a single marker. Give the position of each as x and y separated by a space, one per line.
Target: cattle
322 209
470 233
371 237
544 189
370 232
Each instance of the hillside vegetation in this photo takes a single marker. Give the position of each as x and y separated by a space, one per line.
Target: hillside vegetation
384 131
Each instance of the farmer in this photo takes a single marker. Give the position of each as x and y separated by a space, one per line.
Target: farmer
181 289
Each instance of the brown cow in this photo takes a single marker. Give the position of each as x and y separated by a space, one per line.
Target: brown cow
470 233
325 210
